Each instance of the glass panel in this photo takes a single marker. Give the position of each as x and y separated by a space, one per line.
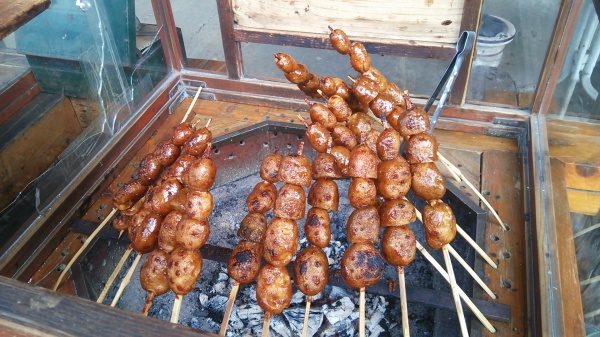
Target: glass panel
574 143
76 84
406 72
512 44
200 34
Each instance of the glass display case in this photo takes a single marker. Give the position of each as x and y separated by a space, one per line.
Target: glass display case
90 89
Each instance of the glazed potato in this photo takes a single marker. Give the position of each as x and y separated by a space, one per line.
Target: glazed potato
318 227
363 225
160 196
397 212
150 169
439 223
184 269
244 262
128 194
415 121
295 169
253 227
311 270
273 289
398 245
262 198
421 148
388 144
290 203
182 133
427 181
166 152
166 236
394 178
200 175
362 192
281 241
144 234
324 166
324 194
197 143
191 234
199 205
362 163
153 274
269 167
362 265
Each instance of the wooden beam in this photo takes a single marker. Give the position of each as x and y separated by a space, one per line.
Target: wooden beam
14 14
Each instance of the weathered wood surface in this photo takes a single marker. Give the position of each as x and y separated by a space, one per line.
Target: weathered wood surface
14 14
572 319
577 146
33 311
426 21
501 176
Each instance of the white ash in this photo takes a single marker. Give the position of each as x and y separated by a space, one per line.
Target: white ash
339 310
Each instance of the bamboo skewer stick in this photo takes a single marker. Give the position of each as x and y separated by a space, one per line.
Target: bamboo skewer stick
148 303
471 242
176 309
462 294
464 264
592 314
266 322
589 281
114 274
475 246
126 280
587 230
306 314
464 179
403 303
192 105
361 313
471 272
230 303
83 247
455 295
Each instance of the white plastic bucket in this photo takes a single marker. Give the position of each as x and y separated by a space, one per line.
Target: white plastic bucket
494 34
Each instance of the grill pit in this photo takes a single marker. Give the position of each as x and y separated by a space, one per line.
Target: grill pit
335 310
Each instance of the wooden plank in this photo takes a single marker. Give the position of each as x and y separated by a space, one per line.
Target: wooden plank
584 202
501 175
572 320
469 163
18 98
37 309
14 14
85 110
426 21
231 48
416 49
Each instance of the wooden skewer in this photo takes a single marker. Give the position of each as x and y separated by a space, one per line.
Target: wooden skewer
463 179
114 274
472 272
148 303
587 230
464 264
361 313
126 280
475 246
455 295
466 236
306 314
121 232
403 302
176 309
230 303
267 321
592 314
192 105
83 247
462 294
590 281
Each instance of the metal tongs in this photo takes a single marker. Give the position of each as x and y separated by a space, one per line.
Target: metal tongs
463 46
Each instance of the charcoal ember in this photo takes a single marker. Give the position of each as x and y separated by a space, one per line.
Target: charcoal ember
251 316
216 305
298 298
343 328
295 319
204 324
339 310
203 298
235 323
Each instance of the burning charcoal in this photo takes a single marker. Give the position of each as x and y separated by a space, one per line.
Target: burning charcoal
251 315
203 298
295 318
235 322
279 327
344 328
216 305
339 310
